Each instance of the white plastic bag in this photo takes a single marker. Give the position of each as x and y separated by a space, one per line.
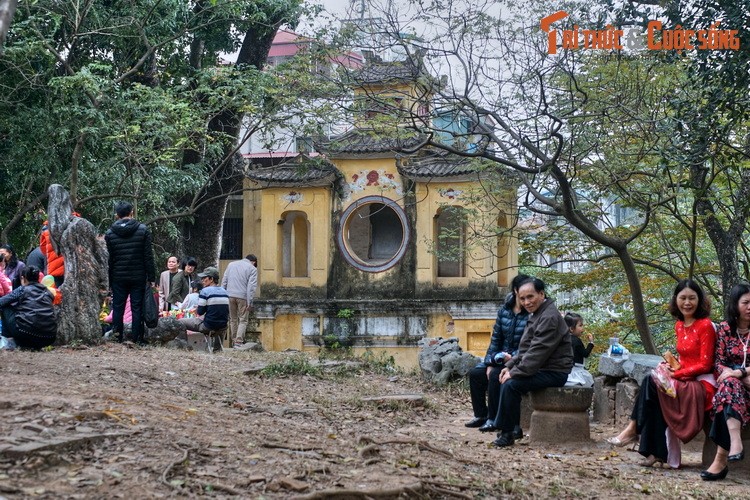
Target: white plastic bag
580 377
7 344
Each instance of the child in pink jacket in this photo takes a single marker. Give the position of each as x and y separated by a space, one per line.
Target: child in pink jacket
5 285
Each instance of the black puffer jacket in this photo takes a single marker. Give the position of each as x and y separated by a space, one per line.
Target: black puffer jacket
131 259
32 304
508 330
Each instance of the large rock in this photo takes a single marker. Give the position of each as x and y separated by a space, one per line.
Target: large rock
167 330
639 366
442 360
635 366
85 254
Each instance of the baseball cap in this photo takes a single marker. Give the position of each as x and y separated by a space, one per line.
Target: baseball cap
211 272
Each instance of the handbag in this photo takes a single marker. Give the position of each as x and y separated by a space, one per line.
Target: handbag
150 308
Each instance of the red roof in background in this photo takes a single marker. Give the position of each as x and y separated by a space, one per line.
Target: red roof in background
288 43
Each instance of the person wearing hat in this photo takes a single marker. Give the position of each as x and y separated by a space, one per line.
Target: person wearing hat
213 307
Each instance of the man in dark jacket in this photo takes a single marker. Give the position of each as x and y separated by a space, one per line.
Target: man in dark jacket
484 379
131 267
544 359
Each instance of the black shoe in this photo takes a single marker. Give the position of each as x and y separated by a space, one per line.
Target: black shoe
710 476
476 422
737 456
517 432
488 426
505 439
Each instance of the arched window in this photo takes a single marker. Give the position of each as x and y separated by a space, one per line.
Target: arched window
295 243
373 234
450 238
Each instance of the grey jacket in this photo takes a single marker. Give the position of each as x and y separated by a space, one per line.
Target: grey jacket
240 280
545 344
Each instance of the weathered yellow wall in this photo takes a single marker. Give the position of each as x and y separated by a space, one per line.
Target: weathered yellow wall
285 332
388 184
483 260
473 334
273 204
404 357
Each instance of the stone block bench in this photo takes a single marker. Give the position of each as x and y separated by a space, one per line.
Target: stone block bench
560 415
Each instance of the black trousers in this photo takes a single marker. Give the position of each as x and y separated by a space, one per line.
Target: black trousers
719 433
649 421
484 391
511 392
22 339
120 293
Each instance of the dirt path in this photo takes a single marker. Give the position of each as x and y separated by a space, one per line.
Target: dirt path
118 422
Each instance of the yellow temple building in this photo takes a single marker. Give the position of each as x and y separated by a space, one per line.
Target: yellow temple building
374 243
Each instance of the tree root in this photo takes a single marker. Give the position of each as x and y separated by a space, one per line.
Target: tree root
171 465
333 493
419 489
422 445
203 486
292 448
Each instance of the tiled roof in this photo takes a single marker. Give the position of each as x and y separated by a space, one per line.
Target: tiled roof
379 72
367 141
438 165
300 171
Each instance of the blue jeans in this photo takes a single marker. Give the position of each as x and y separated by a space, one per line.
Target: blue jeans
511 392
120 292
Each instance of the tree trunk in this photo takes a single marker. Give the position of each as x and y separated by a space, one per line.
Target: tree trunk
636 294
85 256
202 236
7 10
725 240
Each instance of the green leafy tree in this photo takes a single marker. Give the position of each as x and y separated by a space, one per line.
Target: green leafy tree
132 101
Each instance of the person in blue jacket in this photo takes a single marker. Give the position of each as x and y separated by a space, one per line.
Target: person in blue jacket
484 382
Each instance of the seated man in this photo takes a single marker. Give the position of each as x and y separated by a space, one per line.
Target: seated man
28 316
544 359
484 379
213 307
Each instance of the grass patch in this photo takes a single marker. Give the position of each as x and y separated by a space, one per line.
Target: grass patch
298 364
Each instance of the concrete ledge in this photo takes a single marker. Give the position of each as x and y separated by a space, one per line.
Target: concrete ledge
562 399
560 415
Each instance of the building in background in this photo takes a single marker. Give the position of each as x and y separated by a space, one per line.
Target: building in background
368 238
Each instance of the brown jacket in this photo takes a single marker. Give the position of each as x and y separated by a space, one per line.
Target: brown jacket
545 344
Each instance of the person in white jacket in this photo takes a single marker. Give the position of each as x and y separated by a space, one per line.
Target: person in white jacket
240 281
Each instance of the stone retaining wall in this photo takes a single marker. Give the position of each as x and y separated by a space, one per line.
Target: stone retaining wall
616 388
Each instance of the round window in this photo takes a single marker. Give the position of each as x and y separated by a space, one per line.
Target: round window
373 234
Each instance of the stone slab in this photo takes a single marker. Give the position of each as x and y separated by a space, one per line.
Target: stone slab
196 341
638 366
635 366
408 399
556 427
